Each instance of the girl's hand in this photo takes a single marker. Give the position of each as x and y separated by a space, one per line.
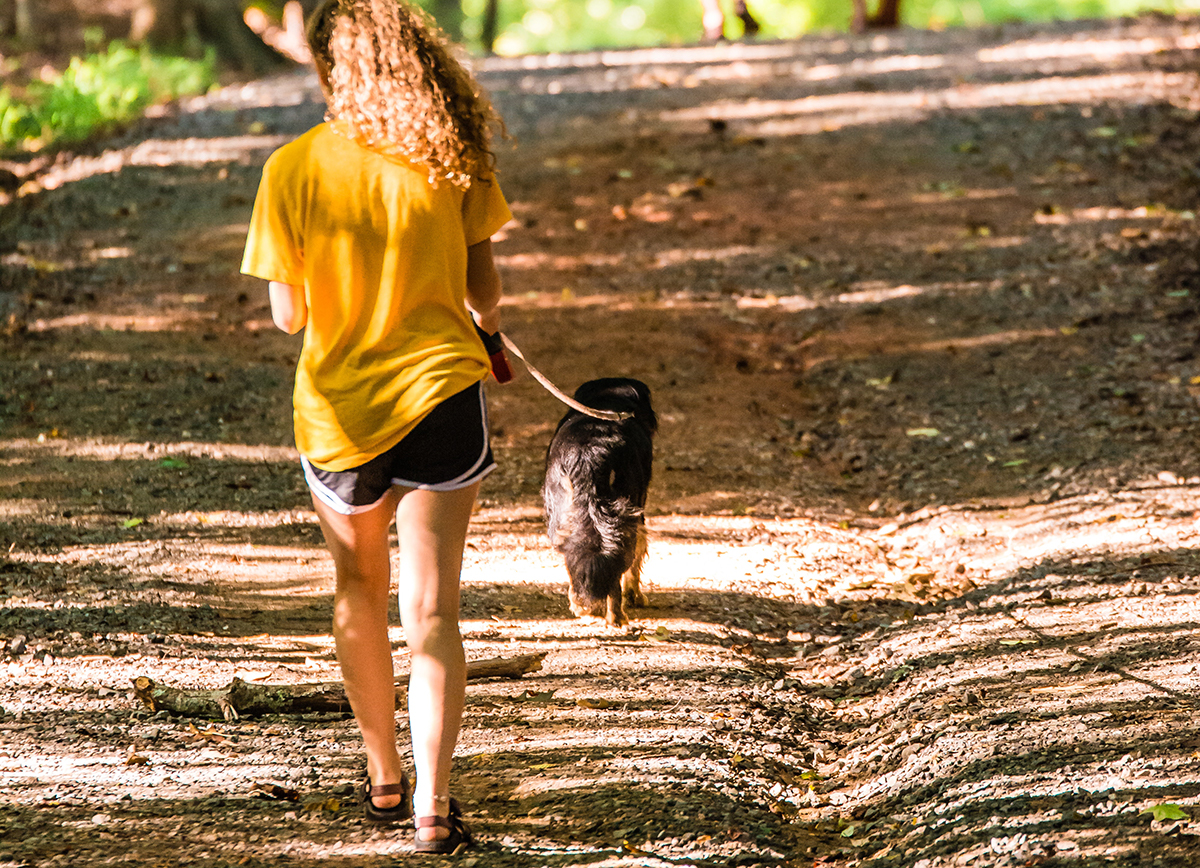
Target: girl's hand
288 308
489 322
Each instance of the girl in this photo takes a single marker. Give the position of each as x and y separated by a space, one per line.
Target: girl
373 230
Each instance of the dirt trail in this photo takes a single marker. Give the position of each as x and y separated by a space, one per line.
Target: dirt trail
919 313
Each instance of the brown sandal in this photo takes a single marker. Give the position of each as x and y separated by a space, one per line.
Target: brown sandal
387 816
458 840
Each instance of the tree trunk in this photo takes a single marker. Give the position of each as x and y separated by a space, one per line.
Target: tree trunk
887 16
191 25
750 25
23 20
490 28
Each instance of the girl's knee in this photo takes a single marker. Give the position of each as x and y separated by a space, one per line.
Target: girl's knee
432 633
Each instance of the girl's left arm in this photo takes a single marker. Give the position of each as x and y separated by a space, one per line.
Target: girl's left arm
288 308
483 286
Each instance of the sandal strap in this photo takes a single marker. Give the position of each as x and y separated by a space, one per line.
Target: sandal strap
388 790
434 821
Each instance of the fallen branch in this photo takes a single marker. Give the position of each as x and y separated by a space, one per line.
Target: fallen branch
243 699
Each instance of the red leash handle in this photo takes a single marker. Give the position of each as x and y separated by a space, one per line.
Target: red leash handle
495 350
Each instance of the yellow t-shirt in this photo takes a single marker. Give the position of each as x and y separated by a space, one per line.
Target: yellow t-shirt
382 256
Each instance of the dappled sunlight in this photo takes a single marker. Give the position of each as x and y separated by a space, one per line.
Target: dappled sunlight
1093 49
124 322
864 296
720 53
225 518
109 450
821 113
1067 677
867 342
872 66
773 558
817 59
17 507
162 153
660 259
558 262
1104 214
1047 61
923 576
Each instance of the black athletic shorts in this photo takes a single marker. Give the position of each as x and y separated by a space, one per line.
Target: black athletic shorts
449 449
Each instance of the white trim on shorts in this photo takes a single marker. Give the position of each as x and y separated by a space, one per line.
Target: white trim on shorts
477 472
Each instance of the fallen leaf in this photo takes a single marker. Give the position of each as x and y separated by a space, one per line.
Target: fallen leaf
330 805
922 432
1166 811
131 522
593 703
136 759
209 734
275 791
626 847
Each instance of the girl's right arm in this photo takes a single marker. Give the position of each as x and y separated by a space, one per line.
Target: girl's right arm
483 286
288 308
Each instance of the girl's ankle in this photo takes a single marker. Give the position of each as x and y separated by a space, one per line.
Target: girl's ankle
431 806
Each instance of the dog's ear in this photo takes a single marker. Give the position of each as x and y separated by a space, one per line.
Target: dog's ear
645 409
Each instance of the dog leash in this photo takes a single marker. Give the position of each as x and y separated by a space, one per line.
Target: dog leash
497 343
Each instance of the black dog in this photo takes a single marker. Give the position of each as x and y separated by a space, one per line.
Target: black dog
597 474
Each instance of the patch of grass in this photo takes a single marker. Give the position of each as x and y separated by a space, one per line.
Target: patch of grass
97 93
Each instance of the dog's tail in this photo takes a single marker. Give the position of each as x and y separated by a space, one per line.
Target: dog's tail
601 546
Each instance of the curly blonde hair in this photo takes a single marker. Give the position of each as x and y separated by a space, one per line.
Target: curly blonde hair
390 78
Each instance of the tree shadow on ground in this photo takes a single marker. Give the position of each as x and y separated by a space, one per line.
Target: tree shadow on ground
674 816
1044 736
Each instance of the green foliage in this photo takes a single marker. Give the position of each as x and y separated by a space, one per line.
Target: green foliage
98 92
535 26
973 13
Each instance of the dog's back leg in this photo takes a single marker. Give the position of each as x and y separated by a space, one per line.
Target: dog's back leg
631 582
615 613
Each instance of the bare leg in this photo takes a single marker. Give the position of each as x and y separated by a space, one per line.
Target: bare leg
714 20
432 527
359 545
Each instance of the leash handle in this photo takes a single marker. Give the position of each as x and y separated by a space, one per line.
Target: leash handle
495 350
609 415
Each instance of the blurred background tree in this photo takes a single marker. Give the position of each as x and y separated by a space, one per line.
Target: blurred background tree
512 27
